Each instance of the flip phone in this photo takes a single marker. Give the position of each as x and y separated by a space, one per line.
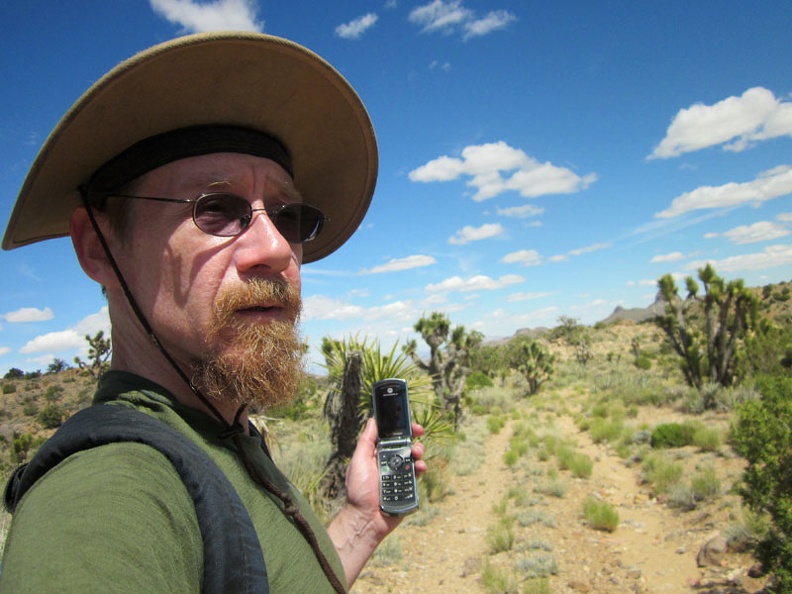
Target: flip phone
398 489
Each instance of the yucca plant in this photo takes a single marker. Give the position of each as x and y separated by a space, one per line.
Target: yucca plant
354 366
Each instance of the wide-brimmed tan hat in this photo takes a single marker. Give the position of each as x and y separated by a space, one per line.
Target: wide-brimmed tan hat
241 79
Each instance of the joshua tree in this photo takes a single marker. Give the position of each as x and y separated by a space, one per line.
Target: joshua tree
706 331
99 351
533 361
449 358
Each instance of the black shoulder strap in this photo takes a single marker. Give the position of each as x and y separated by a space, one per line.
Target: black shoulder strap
233 561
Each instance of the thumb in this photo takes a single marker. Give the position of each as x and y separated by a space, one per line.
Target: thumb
370 432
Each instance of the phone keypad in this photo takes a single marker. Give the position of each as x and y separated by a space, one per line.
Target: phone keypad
396 474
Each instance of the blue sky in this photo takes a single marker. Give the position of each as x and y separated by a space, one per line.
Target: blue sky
537 159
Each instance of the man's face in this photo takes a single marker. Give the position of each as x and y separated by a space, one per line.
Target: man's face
223 307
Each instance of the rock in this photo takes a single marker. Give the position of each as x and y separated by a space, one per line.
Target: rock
712 552
579 586
756 570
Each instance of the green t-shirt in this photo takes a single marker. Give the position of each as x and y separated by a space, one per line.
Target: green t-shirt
118 518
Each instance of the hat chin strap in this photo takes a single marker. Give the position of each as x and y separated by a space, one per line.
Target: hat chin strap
231 428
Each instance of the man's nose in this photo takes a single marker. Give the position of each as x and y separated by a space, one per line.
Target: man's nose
261 244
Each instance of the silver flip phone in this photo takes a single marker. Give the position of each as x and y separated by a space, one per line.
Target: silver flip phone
398 489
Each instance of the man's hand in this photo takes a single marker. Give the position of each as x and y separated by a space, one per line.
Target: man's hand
361 526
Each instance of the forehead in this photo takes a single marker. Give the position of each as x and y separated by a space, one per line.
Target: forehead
232 171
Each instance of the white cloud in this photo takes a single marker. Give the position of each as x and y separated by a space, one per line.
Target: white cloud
475 283
784 217
71 338
739 121
62 340
397 264
468 233
4 350
672 257
496 167
440 16
355 28
238 15
595 247
521 212
505 323
444 66
451 17
762 231
767 186
320 307
28 314
647 282
94 323
770 257
524 257
515 297
495 20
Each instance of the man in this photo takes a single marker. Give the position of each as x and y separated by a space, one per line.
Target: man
194 180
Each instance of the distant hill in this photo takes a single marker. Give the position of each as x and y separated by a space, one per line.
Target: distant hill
637 314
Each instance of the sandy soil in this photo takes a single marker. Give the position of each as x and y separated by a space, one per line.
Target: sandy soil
653 550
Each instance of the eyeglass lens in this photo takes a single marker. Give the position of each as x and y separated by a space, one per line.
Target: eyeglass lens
227 215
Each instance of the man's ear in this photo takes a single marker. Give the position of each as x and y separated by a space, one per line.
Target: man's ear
89 249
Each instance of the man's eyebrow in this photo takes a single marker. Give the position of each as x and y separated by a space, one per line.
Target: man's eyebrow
285 187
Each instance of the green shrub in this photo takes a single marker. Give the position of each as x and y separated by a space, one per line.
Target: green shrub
600 514
662 472
643 362
9 388
53 393
495 424
51 416
531 516
708 439
501 536
706 484
580 465
703 486
672 435
477 379
537 566
603 431
555 487
497 580
510 457
536 586
762 433
20 446
14 373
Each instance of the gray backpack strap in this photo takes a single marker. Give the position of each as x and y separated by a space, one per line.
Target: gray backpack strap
233 561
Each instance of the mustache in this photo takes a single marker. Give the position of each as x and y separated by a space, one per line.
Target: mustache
258 293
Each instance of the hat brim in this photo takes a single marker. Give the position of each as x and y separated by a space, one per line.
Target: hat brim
244 79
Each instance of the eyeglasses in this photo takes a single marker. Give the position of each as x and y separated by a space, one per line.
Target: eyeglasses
228 215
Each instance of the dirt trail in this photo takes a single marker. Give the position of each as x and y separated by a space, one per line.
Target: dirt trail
653 550
444 555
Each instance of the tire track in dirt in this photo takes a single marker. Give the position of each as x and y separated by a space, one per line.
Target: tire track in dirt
653 551
650 551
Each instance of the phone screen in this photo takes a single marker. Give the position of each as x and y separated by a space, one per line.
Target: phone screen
392 413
